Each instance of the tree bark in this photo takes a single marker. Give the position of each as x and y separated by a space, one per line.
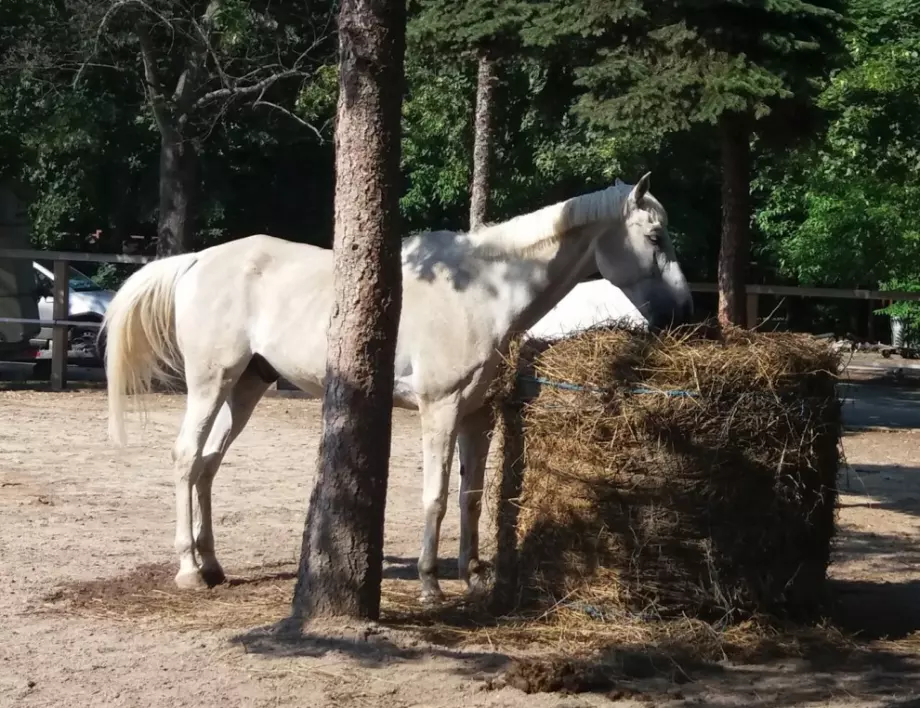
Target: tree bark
483 138
736 211
341 557
178 163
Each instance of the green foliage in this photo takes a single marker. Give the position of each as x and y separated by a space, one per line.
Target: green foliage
844 211
436 143
907 312
590 91
463 25
86 151
654 68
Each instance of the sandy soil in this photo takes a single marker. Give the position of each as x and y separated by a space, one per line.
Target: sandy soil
74 509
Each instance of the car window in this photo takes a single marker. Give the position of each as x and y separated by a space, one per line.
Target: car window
81 283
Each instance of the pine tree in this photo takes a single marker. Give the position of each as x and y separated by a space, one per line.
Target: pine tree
731 69
341 562
488 31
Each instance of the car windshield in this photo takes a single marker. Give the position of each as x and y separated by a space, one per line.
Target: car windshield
79 282
82 283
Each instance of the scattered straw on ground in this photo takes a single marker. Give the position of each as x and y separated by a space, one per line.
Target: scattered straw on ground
262 596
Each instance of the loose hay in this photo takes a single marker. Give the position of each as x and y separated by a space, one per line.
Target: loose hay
148 593
668 475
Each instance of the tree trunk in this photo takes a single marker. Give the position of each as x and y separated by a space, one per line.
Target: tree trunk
341 557
483 139
736 211
177 192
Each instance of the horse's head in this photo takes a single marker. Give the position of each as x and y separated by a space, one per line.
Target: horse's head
637 256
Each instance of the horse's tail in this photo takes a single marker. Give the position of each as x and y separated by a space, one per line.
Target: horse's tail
140 330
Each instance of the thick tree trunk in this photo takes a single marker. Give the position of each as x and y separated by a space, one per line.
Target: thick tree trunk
178 165
736 211
483 138
341 558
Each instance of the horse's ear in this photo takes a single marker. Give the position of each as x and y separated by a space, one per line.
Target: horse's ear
618 182
639 191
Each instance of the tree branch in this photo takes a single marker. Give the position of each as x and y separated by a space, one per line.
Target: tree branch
189 81
259 87
152 81
285 111
103 23
207 20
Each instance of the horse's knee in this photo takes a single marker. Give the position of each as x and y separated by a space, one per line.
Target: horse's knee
434 509
187 462
428 567
185 455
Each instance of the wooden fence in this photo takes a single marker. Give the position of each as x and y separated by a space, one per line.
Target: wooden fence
754 292
61 299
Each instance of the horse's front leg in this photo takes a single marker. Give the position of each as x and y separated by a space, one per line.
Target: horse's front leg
439 435
474 438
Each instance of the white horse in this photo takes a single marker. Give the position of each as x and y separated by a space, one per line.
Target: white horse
590 303
223 317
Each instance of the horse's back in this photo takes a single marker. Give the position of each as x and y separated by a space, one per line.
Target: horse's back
252 293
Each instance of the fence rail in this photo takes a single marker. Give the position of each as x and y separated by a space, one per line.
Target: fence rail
60 293
796 291
62 260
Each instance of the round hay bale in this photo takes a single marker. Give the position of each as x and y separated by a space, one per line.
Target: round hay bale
668 475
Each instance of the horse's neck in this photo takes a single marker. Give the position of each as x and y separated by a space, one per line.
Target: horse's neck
527 287
526 264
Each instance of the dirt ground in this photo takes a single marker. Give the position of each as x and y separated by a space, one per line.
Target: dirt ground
73 509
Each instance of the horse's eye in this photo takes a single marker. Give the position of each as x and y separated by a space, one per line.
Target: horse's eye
654 236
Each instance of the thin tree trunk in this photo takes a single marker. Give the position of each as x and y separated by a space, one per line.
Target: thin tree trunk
177 194
736 209
341 557
483 138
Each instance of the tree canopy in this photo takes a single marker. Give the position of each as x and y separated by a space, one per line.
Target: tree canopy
588 92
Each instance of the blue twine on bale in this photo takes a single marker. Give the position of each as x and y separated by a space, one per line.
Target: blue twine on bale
594 389
640 390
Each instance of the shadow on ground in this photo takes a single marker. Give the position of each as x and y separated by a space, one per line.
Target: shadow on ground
892 487
677 664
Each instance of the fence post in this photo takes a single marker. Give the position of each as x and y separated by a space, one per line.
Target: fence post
753 309
59 339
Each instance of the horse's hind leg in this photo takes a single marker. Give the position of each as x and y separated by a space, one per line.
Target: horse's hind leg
230 422
207 392
474 438
439 436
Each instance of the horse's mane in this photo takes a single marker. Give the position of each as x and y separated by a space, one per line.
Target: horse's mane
529 234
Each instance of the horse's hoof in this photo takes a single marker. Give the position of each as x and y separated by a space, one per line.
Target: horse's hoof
213 575
430 597
190 580
478 576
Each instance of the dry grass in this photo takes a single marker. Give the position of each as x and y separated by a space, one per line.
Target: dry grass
668 476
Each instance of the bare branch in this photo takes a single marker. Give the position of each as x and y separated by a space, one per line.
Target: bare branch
206 41
103 24
239 91
188 83
285 111
152 81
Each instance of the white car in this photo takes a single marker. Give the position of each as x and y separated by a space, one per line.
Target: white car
88 303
